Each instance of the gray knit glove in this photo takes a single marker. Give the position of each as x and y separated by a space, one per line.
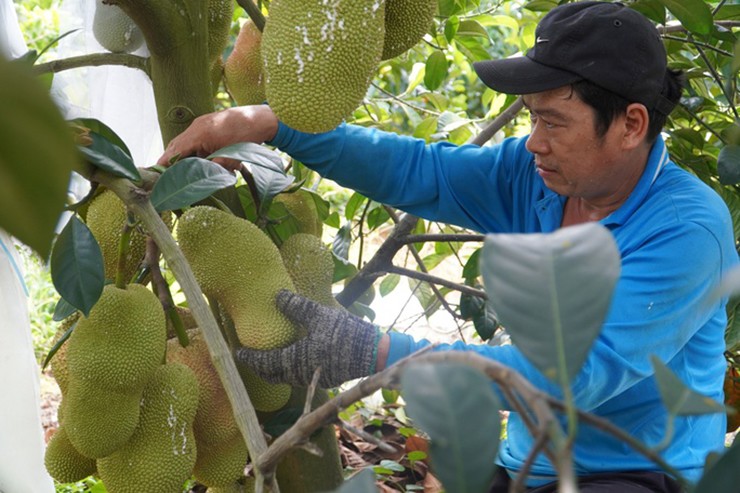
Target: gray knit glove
343 345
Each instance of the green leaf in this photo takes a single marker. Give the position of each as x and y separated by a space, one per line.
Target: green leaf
269 183
471 270
472 28
188 181
552 292
253 154
732 331
541 5
724 475
107 156
103 130
677 397
362 482
456 406
426 128
436 70
37 154
728 165
58 345
695 15
353 205
62 310
77 266
388 284
652 9
451 26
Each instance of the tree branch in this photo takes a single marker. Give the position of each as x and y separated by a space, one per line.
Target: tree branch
422 276
93 60
443 237
498 123
253 12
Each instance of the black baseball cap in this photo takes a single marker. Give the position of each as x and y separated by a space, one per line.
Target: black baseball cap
609 44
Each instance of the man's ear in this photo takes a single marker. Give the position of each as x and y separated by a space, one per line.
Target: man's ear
636 124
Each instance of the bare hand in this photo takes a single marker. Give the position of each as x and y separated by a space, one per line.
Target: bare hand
213 131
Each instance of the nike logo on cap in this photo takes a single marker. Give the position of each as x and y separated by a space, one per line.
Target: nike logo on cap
541 40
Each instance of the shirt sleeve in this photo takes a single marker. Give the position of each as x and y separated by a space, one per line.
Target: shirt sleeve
661 305
468 185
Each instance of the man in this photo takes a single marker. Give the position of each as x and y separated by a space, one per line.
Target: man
598 91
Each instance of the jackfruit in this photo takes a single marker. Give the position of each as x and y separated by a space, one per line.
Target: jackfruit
160 456
99 421
214 421
248 486
311 267
221 464
106 217
302 207
63 462
245 285
243 70
115 30
406 22
59 360
121 342
220 13
319 58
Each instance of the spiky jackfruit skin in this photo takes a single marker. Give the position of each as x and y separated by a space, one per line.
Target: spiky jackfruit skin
115 30
220 13
237 487
319 58
406 22
243 69
59 360
63 462
311 267
99 421
106 217
239 266
302 207
121 342
214 421
160 456
221 464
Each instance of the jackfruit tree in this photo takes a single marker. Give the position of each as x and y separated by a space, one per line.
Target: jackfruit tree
128 401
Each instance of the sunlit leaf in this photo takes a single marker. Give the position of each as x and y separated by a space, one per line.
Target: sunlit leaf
677 397
552 292
77 266
188 181
388 284
107 156
253 154
436 70
37 154
456 406
695 15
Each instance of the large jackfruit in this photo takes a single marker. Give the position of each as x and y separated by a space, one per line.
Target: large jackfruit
160 456
406 22
121 342
301 205
63 462
311 267
59 360
221 464
214 421
219 24
238 265
319 57
115 30
243 70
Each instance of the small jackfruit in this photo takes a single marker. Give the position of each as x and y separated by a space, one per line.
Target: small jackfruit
160 456
319 58
221 464
63 462
220 13
115 30
245 285
214 421
302 207
406 22
121 342
243 70
311 267
99 421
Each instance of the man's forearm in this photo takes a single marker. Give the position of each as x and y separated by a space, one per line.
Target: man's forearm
382 357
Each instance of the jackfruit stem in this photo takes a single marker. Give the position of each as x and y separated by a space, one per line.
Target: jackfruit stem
253 12
162 290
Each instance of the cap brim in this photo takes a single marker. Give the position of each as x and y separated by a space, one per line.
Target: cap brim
522 75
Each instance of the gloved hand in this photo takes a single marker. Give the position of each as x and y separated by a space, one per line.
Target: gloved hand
343 345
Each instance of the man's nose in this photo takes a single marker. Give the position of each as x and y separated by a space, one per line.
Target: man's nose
536 144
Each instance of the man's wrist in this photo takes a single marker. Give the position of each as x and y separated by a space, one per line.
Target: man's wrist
382 352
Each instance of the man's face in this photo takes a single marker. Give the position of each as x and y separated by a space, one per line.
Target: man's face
570 157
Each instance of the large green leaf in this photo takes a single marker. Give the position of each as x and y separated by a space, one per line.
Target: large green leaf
436 70
362 482
677 397
188 181
724 475
552 292
695 15
269 183
37 154
456 406
252 153
728 165
77 266
106 155
103 130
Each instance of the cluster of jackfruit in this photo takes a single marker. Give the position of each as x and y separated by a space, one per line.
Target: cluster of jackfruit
243 69
115 30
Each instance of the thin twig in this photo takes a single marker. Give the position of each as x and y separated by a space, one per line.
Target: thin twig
254 13
311 391
517 486
498 123
421 276
461 237
367 437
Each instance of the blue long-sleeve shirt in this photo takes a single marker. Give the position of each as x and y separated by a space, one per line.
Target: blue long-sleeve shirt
676 243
